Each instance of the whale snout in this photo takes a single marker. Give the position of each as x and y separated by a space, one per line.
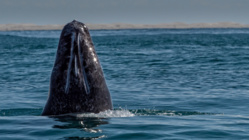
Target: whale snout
75 27
76 68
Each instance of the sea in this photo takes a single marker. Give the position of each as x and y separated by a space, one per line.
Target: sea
165 84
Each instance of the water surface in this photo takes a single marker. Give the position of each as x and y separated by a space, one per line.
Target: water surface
165 84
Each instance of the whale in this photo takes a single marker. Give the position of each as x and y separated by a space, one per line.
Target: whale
77 82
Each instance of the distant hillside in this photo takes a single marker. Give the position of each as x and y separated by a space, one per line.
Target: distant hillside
177 25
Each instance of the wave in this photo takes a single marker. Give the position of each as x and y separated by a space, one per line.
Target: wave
127 32
33 34
21 112
105 114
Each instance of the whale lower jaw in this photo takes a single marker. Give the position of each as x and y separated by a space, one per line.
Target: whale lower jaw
75 65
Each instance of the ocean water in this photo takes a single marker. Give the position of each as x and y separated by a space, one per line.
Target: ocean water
164 83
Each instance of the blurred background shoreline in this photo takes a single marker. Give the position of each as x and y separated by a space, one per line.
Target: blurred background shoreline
176 25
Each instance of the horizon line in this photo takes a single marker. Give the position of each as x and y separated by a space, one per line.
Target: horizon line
97 26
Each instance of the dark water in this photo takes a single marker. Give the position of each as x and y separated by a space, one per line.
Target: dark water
165 84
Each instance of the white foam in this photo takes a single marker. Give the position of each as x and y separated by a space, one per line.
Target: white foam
107 114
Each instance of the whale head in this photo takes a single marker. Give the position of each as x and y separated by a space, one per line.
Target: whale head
76 57
77 81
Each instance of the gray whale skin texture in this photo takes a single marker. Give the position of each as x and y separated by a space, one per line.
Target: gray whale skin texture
77 83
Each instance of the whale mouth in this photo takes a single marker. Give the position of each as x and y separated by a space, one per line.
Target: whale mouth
75 65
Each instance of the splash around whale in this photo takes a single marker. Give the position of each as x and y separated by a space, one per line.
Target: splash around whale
77 83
